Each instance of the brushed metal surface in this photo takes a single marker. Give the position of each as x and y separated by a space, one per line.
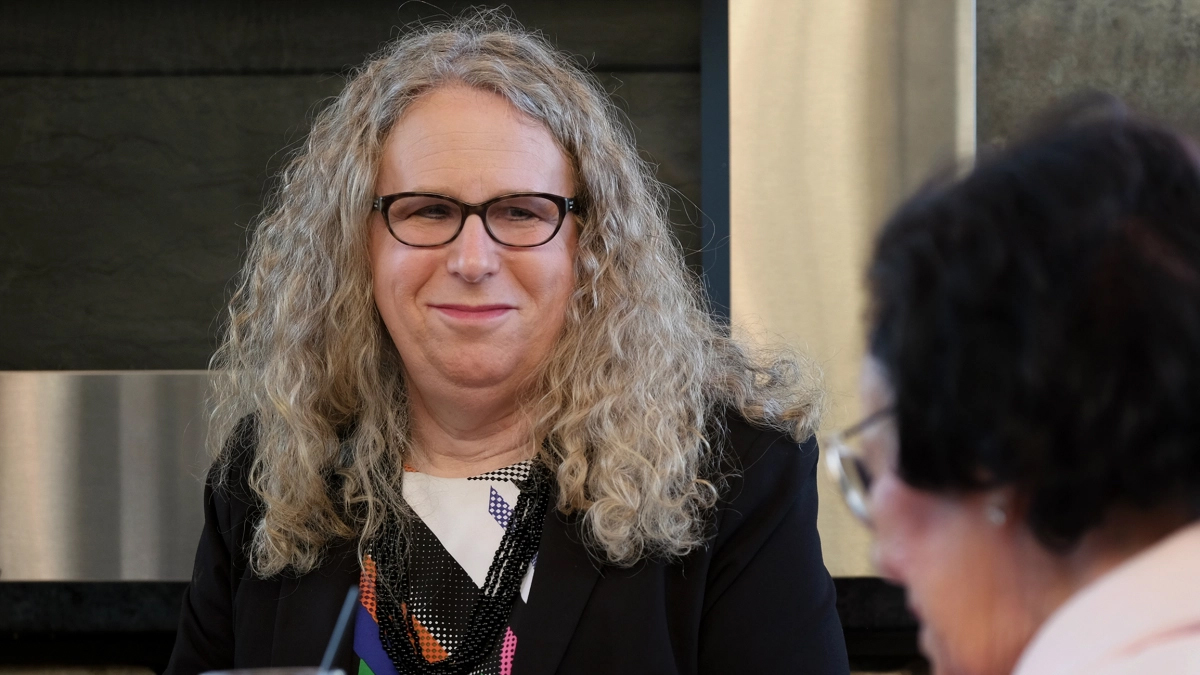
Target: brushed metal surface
101 474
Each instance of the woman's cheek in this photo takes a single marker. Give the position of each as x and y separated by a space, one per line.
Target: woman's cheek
915 546
896 528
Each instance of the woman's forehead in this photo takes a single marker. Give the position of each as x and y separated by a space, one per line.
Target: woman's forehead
458 114
456 134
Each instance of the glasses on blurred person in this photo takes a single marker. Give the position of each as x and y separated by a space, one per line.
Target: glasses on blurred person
844 458
523 219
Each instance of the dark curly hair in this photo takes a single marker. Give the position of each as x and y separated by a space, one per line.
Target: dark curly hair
1039 322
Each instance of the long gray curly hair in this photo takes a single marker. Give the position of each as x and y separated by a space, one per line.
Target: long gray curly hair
624 407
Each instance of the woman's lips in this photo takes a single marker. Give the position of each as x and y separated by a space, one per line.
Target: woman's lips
474 312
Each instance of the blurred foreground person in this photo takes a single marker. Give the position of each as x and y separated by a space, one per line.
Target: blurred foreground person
468 370
1030 458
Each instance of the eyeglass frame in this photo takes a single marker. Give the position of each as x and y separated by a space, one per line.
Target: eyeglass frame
565 205
836 449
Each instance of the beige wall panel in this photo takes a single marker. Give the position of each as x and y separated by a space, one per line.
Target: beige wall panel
836 109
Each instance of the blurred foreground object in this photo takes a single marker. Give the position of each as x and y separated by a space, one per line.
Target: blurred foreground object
1030 454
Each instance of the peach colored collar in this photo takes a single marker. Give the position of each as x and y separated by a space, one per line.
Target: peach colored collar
1149 599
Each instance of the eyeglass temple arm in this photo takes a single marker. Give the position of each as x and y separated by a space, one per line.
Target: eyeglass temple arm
868 421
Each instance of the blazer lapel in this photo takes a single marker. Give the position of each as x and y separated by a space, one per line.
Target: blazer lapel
562 584
308 609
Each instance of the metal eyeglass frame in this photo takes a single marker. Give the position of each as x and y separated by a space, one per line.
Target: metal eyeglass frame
836 449
565 205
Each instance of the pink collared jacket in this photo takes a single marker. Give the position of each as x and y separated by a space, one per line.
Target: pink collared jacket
1142 618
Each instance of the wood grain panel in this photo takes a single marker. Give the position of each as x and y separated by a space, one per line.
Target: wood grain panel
311 36
127 201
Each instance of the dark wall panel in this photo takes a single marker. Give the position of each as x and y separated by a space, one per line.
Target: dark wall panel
58 36
664 111
128 196
1034 52
126 203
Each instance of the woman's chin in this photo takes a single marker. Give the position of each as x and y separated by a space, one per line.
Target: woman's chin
958 657
934 649
925 645
481 373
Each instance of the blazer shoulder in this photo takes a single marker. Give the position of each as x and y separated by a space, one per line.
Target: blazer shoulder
763 473
231 500
765 562
229 474
745 445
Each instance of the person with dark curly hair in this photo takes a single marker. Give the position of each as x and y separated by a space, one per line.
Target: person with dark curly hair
1030 458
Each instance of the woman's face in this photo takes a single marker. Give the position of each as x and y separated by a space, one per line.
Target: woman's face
960 569
472 313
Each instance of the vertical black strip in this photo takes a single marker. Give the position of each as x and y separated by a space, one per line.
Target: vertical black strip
714 152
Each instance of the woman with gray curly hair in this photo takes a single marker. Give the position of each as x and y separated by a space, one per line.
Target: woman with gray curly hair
467 370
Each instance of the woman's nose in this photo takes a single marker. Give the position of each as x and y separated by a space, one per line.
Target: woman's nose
473 255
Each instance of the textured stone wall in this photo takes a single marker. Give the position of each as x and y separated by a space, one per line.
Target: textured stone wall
137 141
1033 52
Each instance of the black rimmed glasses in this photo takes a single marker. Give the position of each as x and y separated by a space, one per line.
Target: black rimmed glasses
844 459
521 219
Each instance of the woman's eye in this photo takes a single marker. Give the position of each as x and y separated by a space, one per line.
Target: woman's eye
437 212
864 473
514 213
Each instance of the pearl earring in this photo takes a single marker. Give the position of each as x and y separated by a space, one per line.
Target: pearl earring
995 512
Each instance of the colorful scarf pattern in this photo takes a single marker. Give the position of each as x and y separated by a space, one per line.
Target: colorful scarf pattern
458 530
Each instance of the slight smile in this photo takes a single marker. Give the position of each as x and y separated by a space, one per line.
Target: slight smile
473 312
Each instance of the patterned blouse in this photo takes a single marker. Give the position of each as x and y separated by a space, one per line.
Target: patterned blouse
461 522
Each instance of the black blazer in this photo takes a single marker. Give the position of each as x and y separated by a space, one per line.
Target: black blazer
758 599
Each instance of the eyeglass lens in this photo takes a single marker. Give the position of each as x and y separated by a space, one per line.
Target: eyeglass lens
850 470
857 473
523 220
